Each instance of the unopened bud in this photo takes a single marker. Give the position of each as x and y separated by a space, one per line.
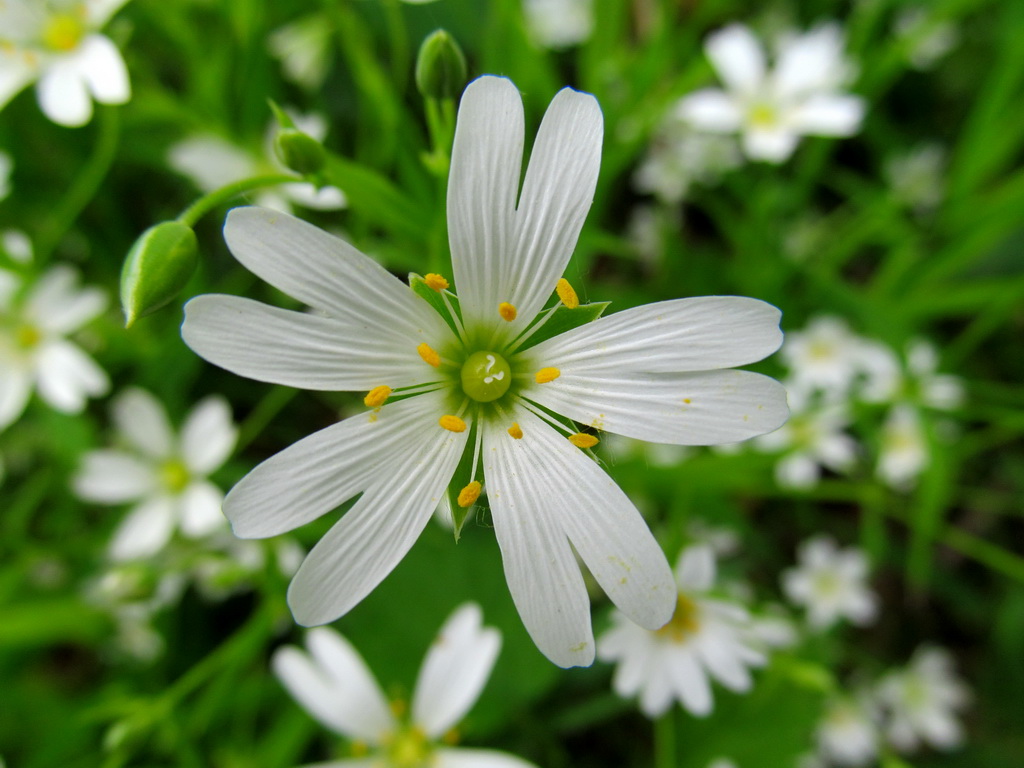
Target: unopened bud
157 267
440 67
299 151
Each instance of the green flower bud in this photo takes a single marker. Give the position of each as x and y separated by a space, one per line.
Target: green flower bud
157 267
299 151
440 67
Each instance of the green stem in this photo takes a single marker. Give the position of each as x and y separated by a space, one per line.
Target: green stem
665 740
218 197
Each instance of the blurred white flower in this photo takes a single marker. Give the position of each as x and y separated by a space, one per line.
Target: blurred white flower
57 44
211 162
707 637
917 177
927 39
772 109
303 48
915 382
332 682
847 733
34 352
16 245
922 701
825 356
903 451
559 23
166 474
680 156
722 762
831 584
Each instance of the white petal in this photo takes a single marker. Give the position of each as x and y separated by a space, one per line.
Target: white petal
773 145
63 95
211 162
483 183
67 376
454 672
15 390
797 470
369 540
710 109
111 477
691 683
324 470
57 304
141 419
100 11
145 531
656 694
828 116
811 62
463 757
317 198
695 569
103 70
738 58
201 510
718 654
15 74
543 577
208 435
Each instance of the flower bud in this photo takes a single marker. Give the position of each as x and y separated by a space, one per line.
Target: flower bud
157 267
440 67
299 151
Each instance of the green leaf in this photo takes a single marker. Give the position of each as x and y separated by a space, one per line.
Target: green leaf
564 319
376 198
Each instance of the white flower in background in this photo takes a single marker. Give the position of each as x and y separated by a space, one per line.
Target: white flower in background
923 700
722 539
825 356
6 166
831 584
679 157
133 594
165 474
34 352
903 452
559 23
333 684
474 384
16 246
917 178
927 39
722 762
648 230
621 448
917 381
304 50
848 732
212 162
706 638
57 44
772 109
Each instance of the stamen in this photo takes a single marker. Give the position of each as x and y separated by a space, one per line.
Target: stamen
545 375
516 431
469 494
436 282
452 423
430 357
583 440
567 294
377 396
507 311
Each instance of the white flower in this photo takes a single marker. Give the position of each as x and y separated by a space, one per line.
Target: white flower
34 352
473 400
847 733
212 162
304 50
903 454
706 637
559 23
926 39
915 382
333 684
917 178
166 474
16 245
831 584
56 42
922 702
825 356
679 156
773 109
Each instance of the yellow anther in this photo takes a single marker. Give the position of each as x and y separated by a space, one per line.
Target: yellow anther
507 311
377 396
516 431
545 375
435 282
452 423
567 294
469 494
430 357
583 440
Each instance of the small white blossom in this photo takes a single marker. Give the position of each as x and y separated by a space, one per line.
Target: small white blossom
16 245
34 350
559 23
917 177
926 38
332 682
923 700
831 584
848 731
57 43
826 356
680 156
903 452
772 109
165 474
706 638
304 49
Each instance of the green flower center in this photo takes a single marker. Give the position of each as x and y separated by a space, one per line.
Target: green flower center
27 336
63 32
409 748
763 116
175 475
486 376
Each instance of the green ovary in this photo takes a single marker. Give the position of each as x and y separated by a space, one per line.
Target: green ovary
486 376
175 476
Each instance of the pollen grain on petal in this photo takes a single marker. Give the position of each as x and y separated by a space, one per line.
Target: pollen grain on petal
583 440
377 396
545 375
435 281
516 431
566 294
452 423
429 355
507 311
469 494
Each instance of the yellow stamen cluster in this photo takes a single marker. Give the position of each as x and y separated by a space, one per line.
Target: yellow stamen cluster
545 375
430 357
685 621
516 431
452 423
469 494
507 311
583 440
377 396
566 294
435 282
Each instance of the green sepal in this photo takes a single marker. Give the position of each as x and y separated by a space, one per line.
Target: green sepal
564 319
440 67
157 267
433 298
463 476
